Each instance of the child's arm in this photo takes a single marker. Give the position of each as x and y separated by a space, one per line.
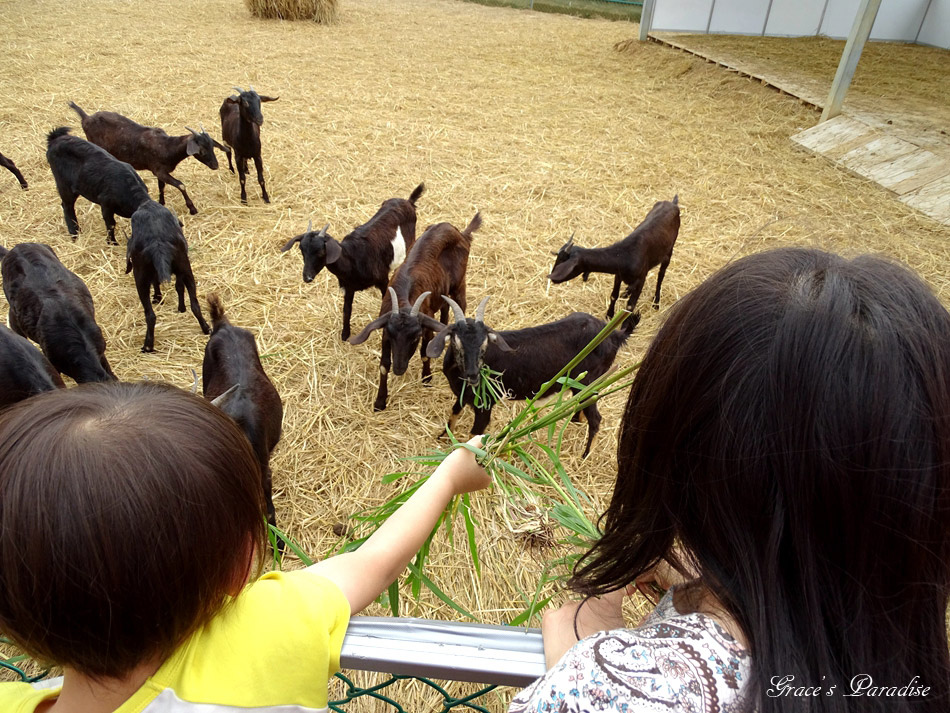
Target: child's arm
364 574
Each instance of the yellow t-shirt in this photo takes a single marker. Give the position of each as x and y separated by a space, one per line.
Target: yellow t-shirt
277 644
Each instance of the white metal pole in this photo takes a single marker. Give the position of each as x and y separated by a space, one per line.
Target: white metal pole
863 21
646 19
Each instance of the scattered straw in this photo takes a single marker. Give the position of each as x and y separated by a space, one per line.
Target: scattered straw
532 118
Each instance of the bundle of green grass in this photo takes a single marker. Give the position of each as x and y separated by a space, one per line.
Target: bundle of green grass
322 11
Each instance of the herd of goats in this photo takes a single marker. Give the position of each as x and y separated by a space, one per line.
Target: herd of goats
416 277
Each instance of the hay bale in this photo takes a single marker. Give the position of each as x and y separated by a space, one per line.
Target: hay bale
322 11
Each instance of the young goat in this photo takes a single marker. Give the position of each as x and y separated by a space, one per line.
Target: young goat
629 260
53 307
436 265
83 169
231 358
241 120
11 167
366 256
24 371
148 148
156 251
526 358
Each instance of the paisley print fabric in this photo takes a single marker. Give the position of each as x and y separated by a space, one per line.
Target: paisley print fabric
682 663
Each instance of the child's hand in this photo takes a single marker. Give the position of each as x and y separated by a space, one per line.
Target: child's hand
463 471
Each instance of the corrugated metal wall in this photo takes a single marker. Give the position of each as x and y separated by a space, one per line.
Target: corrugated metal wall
922 21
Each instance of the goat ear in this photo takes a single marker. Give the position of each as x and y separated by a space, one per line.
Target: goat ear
368 329
290 243
438 344
499 341
192 147
333 250
268 99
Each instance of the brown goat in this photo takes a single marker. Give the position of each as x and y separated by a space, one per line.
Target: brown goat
435 266
629 260
241 121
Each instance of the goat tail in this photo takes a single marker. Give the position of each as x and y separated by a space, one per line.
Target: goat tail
414 196
56 133
474 225
75 107
216 307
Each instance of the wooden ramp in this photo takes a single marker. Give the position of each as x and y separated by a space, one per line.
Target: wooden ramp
902 147
919 177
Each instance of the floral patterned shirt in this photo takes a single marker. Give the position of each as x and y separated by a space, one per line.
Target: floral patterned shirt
682 663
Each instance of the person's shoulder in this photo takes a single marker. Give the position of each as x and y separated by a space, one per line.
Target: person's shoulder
673 662
21 697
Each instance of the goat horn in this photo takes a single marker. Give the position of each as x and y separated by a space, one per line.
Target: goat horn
459 312
194 386
310 226
250 87
192 131
202 127
570 240
392 296
480 311
239 90
219 401
323 232
414 312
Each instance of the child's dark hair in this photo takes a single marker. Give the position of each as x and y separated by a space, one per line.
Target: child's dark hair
789 431
127 514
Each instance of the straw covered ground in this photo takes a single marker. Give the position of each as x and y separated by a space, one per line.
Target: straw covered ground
533 119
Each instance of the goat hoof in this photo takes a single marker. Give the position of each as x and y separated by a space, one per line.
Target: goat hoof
379 406
156 299
147 349
205 329
24 186
656 305
193 210
344 335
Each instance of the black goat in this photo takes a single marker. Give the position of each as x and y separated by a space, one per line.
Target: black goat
241 120
231 358
366 256
53 307
526 358
148 148
24 371
156 251
11 167
650 244
436 265
83 169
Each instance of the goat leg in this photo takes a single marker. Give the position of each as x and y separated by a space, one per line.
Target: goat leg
186 276
593 426
347 312
385 361
157 288
172 181
242 177
613 296
11 167
426 362
259 165
659 281
633 291
482 419
109 217
69 214
142 285
267 482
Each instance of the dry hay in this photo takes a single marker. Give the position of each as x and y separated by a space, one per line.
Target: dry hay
532 118
322 11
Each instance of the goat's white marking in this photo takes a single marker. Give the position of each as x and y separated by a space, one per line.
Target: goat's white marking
383 371
399 250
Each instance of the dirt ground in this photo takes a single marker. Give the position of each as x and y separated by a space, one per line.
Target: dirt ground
533 119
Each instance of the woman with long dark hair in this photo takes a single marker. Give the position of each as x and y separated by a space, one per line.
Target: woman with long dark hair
784 456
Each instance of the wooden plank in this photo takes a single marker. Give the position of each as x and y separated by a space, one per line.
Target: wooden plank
836 137
910 172
868 160
932 199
